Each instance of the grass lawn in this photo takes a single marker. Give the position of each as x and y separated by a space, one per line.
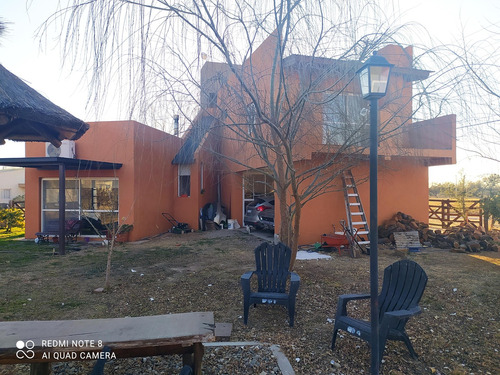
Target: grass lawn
14 233
457 333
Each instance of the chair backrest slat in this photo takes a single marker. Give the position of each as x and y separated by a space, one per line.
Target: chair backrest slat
272 263
403 286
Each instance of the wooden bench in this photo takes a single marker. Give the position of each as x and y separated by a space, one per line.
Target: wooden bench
41 342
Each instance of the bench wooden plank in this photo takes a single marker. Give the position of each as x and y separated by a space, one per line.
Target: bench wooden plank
128 337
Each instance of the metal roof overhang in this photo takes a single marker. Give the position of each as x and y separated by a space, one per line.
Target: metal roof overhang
48 163
61 164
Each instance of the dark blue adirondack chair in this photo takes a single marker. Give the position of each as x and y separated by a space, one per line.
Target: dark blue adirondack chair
403 286
272 263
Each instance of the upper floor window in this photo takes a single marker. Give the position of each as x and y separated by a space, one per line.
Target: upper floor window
251 117
212 100
5 194
346 120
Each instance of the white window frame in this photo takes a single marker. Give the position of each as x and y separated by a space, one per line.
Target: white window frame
79 212
355 127
202 173
268 189
252 117
183 171
5 194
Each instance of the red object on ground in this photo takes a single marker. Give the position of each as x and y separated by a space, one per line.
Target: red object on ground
334 240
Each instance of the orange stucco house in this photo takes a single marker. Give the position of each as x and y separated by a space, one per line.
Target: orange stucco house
407 149
129 162
148 171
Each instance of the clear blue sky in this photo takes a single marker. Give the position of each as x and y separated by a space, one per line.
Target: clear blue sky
21 53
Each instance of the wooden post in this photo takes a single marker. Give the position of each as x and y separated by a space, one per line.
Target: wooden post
40 368
194 359
198 357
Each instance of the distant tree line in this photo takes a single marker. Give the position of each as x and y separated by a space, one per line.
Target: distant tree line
487 190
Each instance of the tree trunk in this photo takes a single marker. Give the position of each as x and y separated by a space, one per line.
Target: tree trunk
486 220
285 235
111 246
295 235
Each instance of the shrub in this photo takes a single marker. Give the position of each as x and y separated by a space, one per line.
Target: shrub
11 218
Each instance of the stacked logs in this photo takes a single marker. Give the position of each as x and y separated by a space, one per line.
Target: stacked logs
463 238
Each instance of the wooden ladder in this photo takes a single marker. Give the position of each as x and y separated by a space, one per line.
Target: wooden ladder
356 218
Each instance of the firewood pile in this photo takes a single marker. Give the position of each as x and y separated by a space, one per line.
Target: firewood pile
463 238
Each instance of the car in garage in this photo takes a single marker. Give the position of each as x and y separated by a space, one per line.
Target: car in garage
260 213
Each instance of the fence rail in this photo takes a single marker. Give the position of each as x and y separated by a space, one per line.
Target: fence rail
445 213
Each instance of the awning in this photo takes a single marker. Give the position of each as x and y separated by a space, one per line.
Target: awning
60 164
52 163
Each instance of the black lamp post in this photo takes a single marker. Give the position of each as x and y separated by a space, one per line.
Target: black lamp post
374 79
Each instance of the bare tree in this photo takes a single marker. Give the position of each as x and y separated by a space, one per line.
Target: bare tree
157 48
3 28
469 70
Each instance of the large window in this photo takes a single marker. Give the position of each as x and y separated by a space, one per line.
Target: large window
95 200
346 120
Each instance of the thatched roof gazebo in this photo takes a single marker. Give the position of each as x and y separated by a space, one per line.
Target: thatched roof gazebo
26 115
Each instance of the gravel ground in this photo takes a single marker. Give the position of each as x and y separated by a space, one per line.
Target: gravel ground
457 333
223 360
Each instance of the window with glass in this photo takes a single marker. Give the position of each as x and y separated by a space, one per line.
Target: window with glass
5 193
95 200
251 117
212 100
202 178
346 120
184 180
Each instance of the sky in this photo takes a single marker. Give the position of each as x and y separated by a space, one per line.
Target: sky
40 65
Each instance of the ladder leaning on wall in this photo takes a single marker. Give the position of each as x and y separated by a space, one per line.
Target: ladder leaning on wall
357 226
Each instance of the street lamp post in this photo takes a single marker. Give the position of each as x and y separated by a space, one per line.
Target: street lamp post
374 79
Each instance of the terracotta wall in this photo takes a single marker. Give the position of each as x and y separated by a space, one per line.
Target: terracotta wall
403 186
154 181
146 179
403 172
257 72
186 209
398 135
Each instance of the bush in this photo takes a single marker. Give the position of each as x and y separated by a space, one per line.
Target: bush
11 218
491 207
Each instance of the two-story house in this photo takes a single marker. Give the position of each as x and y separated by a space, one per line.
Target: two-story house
331 125
148 171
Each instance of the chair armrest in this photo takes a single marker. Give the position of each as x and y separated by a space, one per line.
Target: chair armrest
403 314
344 298
352 297
294 283
245 282
294 277
247 275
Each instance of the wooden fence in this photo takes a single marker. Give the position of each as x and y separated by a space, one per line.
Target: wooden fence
444 213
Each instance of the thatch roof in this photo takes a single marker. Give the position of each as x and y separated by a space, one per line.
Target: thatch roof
25 115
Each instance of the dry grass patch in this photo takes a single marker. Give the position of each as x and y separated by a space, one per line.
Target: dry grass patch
458 332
